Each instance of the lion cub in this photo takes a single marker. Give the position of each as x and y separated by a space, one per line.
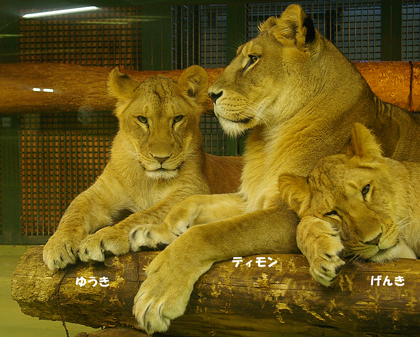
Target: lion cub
370 201
156 161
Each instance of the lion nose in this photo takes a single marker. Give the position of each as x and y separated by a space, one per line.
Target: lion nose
161 159
214 97
375 241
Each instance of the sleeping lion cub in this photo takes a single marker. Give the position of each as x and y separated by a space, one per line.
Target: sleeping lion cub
372 202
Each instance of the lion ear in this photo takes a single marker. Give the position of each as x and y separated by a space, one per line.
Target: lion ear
269 23
363 143
194 82
120 85
294 190
293 25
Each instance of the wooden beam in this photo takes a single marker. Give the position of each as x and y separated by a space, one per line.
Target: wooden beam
232 301
390 81
79 88
119 332
74 87
415 87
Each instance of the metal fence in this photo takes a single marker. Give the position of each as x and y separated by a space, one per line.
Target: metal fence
105 38
62 154
410 39
354 27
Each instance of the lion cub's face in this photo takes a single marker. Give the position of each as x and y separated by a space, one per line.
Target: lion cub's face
160 118
267 75
354 193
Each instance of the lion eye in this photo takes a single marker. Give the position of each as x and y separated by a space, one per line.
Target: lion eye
142 120
332 213
365 190
251 61
178 119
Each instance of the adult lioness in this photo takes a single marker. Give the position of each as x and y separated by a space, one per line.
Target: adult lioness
299 96
370 200
156 161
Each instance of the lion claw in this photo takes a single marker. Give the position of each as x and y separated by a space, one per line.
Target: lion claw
322 246
105 242
160 299
59 251
155 237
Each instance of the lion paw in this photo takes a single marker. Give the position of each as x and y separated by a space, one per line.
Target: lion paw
150 237
326 266
322 246
161 297
61 250
105 241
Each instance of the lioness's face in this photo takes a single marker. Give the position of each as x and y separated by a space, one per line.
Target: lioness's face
240 94
268 75
160 118
356 199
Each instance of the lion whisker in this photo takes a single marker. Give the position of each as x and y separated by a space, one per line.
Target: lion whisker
358 261
403 223
256 111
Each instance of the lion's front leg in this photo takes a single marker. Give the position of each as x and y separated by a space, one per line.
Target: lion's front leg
61 248
106 241
84 215
172 274
89 211
164 295
114 239
322 246
194 210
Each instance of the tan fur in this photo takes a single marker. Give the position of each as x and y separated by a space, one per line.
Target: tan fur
156 161
371 200
299 97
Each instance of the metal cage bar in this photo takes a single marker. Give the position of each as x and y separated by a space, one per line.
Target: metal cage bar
410 30
106 38
61 156
353 26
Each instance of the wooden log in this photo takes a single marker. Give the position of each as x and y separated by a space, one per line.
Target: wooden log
390 81
121 332
233 301
415 87
79 88
75 88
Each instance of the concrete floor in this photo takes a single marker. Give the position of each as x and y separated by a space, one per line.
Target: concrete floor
13 323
